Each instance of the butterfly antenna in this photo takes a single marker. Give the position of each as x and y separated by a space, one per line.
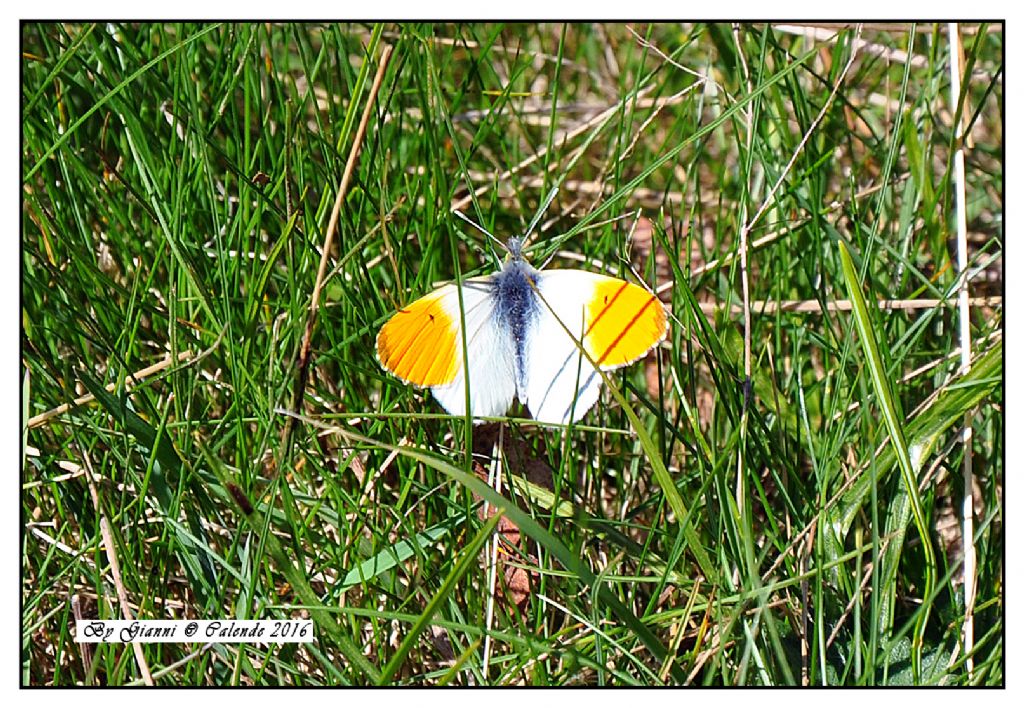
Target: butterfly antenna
533 224
484 231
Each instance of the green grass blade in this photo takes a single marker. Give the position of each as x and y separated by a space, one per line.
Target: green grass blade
911 498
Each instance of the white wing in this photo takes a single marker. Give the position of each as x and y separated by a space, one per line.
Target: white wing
616 322
561 384
491 362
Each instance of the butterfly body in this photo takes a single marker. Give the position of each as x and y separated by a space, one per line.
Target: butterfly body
517 311
524 329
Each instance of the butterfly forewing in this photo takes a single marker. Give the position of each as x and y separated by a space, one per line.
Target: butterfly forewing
616 322
418 343
423 345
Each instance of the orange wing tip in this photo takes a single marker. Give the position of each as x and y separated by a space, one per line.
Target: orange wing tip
418 343
625 321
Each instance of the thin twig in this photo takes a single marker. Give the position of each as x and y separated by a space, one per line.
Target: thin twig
492 560
758 243
701 78
965 346
807 136
769 307
558 142
748 112
86 647
911 375
827 32
37 420
115 571
325 254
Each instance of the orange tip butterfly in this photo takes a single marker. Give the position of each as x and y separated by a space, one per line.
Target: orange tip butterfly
523 337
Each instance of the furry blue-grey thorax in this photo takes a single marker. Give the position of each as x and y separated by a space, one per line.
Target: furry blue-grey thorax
516 306
515 248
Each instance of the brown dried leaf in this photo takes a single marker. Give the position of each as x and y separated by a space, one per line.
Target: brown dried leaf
518 585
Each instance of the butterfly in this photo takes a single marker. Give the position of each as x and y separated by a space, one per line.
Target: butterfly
532 334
